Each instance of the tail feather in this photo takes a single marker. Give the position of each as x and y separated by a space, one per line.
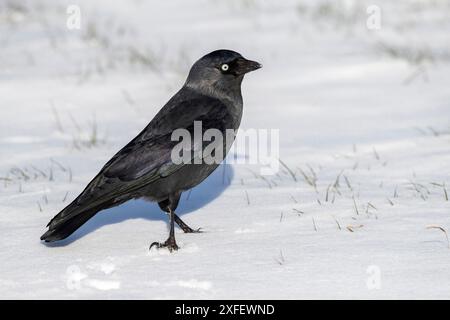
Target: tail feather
74 216
66 228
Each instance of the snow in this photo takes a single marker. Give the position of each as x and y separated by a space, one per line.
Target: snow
363 114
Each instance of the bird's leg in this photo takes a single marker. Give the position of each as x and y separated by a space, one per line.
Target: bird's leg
184 226
170 242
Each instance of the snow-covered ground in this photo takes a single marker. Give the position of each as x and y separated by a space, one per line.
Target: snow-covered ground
364 118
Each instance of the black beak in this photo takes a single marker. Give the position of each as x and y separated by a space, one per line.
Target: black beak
244 66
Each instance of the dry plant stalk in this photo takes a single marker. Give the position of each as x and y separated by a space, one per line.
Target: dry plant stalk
352 228
441 229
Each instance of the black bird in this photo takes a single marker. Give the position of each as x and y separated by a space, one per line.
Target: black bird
144 167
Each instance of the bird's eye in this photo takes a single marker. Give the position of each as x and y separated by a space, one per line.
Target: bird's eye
224 67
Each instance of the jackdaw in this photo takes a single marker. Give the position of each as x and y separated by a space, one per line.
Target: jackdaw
144 168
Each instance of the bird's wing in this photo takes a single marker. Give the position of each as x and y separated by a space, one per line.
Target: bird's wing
151 150
148 156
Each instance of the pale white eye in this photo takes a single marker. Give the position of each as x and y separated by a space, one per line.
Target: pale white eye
224 67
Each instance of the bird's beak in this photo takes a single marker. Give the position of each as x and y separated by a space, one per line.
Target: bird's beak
244 66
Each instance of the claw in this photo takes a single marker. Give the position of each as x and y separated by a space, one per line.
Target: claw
190 230
169 244
157 244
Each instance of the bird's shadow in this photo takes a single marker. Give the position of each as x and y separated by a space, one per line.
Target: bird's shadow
191 200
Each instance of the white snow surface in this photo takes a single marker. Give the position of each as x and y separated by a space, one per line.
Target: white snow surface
364 130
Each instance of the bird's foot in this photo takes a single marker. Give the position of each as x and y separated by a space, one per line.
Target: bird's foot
185 227
188 229
169 244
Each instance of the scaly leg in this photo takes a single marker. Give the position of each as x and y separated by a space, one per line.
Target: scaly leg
184 226
170 242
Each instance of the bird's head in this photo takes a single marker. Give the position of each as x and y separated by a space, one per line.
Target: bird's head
220 70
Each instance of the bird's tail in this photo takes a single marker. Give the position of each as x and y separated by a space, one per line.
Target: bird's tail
67 222
65 229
